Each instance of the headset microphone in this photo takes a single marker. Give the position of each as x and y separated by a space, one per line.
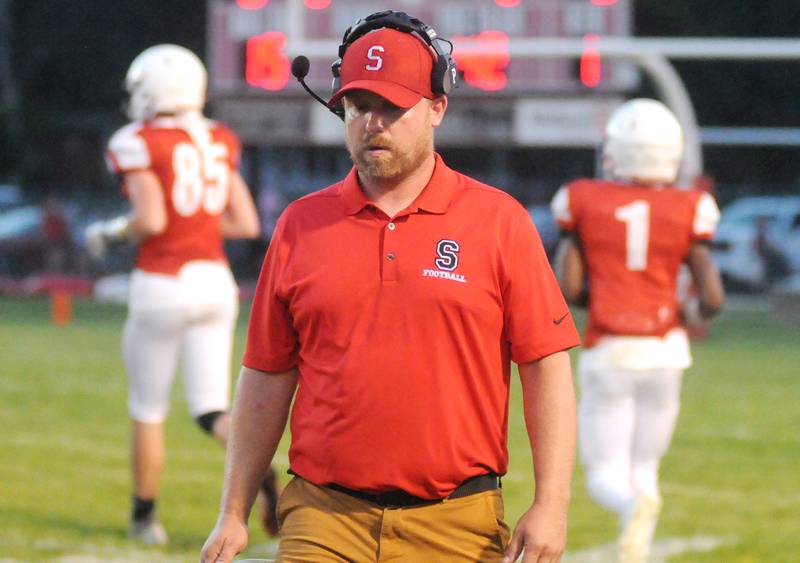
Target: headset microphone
300 66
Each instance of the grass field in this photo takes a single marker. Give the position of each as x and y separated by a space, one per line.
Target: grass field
731 480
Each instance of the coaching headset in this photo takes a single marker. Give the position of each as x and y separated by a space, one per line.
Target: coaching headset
443 72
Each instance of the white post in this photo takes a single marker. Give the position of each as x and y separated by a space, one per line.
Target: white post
295 24
674 94
650 54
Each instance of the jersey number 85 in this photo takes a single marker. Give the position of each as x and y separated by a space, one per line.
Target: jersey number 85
201 178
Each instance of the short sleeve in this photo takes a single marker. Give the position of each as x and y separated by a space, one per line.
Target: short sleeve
127 151
272 343
560 206
706 217
537 320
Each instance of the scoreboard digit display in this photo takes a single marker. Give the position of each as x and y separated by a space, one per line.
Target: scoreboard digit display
504 99
247 40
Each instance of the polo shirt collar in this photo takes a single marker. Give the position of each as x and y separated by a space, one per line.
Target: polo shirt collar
434 198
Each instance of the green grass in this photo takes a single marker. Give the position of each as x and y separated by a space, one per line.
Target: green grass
732 473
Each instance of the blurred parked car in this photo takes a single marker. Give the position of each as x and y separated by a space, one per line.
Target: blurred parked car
31 234
10 196
21 240
758 241
31 231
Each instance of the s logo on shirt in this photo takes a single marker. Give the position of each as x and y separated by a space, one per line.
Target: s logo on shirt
447 251
447 261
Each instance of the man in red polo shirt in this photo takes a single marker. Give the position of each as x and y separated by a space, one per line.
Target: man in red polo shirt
393 303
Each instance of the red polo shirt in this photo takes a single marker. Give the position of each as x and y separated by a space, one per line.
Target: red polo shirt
402 330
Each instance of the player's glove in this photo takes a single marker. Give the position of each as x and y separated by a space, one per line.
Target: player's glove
100 234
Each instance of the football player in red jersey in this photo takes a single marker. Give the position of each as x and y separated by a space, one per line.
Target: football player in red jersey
627 238
179 170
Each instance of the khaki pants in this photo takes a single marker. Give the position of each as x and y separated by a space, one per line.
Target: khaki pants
319 525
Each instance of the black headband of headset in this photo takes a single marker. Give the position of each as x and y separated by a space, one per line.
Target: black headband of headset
394 20
443 72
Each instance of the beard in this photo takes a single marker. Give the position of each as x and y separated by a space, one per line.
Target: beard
394 163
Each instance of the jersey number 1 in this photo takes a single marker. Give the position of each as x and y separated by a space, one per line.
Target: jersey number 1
201 179
636 216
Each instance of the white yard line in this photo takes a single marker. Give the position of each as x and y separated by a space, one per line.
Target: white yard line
662 549
776 499
110 554
116 554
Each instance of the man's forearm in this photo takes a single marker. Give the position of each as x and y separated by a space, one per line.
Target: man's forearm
549 403
260 410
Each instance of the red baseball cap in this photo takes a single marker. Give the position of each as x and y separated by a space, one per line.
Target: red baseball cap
392 64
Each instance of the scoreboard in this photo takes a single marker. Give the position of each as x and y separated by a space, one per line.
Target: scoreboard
251 44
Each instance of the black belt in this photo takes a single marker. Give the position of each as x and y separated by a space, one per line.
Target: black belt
400 498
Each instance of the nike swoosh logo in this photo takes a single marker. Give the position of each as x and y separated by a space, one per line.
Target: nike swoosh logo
558 321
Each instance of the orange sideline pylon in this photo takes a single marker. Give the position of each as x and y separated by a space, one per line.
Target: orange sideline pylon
61 307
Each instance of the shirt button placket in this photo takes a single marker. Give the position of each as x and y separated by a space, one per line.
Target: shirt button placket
390 252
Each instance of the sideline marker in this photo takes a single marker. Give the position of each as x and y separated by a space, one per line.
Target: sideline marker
60 307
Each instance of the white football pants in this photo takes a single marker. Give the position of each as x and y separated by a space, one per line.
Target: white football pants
191 316
626 419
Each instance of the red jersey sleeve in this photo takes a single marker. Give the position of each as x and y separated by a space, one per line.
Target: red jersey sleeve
272 343
537 320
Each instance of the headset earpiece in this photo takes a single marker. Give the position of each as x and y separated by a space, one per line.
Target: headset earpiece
443 74
336 83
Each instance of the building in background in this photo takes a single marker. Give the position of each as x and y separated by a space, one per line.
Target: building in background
523 123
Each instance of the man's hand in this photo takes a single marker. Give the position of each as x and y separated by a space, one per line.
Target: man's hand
542 533
228 538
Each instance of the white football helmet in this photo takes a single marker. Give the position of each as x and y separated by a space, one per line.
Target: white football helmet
643 143
165 79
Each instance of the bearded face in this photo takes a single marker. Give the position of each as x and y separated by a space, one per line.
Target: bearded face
386 143
384 160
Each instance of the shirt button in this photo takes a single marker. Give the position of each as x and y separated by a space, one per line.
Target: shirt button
390 256
391 226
